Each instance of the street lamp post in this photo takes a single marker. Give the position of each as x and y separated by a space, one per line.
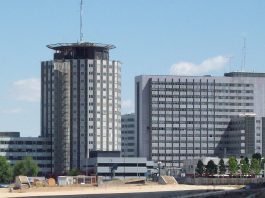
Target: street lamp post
263 159
86 166
159 164
193 166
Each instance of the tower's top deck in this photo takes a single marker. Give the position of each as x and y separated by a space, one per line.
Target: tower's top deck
62 46
83 50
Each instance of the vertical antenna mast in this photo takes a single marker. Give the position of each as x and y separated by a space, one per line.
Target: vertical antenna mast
230 62
81 21
244 53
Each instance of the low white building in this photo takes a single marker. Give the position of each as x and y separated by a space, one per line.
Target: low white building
109 164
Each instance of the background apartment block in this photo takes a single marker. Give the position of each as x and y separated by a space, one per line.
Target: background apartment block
15 148
81 101
128 136
184 117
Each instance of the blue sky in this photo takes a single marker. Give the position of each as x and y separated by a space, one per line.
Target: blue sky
151 36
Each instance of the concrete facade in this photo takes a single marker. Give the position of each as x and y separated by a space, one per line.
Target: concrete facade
81 102
128 136
184 117
15 148
248 131
111 165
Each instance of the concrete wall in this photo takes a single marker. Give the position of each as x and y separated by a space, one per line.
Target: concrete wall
223 181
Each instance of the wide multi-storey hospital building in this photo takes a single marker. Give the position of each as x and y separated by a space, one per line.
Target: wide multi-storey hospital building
185 117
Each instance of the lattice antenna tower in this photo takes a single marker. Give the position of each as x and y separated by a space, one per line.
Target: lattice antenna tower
81 21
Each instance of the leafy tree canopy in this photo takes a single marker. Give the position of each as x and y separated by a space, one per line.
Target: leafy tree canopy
26 167
255 166
5 171
211 168
244 166
247 160
200 168
222 168
73 172
257 156
232 165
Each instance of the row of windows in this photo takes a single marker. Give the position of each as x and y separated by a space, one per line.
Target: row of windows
189 95
25 150
178 155
197 90
169 116
121 164
199 83
127 125
189 122
127 138
170 129
196 102
199 110
184 141
127 119
26 142
127 131
181 148
127 150
21 157
127 144
166 103
192 97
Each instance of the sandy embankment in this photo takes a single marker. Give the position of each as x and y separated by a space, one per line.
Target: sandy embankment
52 191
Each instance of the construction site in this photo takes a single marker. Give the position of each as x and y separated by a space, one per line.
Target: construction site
92 186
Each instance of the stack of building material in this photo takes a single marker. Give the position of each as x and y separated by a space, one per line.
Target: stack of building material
135 181
167 180
51 182
22 182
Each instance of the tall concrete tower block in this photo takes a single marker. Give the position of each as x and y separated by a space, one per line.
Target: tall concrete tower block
80 103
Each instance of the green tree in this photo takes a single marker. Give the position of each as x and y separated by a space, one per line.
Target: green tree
222 168
5 171
200 168
244 167
232 165
211 168
255 166
26 167
247 160
257 156
73 172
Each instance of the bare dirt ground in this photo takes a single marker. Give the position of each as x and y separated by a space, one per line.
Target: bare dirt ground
106 190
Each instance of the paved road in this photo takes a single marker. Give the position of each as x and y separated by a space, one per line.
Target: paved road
170 194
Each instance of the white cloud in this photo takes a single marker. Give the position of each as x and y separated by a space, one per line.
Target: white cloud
206 66
26 90
127 106
10 110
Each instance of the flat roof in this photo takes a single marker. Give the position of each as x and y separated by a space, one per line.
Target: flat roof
59 46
